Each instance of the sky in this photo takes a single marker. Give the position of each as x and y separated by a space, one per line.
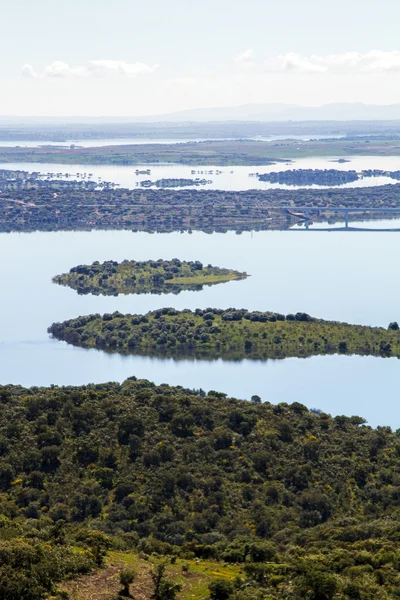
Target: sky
130 58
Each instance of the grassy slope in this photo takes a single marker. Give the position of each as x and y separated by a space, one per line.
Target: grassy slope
105 582
204 279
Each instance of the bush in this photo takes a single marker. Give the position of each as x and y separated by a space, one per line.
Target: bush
163 588
220 589
126 577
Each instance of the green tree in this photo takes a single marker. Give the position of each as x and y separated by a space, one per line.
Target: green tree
220 589
318 585
256 399
163 588
126 577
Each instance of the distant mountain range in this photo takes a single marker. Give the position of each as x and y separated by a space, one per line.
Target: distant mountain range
287 112
273 112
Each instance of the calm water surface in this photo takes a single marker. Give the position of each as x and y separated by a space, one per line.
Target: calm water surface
107 142
335 275
227 178
140 141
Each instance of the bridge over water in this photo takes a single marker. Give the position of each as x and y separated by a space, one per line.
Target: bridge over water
293 210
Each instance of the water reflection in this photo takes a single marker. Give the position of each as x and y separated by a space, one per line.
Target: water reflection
235 178
340 277
370 226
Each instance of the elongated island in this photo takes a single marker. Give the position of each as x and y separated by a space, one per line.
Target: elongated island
230 334
111 278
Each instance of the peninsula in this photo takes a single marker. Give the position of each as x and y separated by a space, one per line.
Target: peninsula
52 208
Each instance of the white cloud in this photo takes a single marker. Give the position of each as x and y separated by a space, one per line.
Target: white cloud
382 61
28 71
119 66
375 61
245 57
60 69
296 62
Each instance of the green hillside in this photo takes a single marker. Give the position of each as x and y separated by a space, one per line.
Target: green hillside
305 505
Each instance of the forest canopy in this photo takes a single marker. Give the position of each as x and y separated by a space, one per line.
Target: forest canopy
302 501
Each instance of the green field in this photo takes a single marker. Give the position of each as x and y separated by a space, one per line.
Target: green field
218 153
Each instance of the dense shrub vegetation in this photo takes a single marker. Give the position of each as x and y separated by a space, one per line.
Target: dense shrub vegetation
35 554
174 183
51 208
306 503
143 277
231 334
327 177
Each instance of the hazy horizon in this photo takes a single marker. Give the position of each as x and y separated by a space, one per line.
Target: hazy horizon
157 58
252 112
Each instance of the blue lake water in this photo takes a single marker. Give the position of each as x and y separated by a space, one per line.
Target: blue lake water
221 178
140 141
334 275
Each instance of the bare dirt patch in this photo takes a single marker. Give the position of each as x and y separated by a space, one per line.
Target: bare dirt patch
104 584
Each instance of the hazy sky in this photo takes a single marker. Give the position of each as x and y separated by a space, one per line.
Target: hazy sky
123 57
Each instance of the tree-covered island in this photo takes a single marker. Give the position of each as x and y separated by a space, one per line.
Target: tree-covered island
323 177
229 334
327 177
111 278
173 182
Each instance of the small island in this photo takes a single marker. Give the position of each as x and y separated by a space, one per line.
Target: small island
111 278
174 183
327 177
230 334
